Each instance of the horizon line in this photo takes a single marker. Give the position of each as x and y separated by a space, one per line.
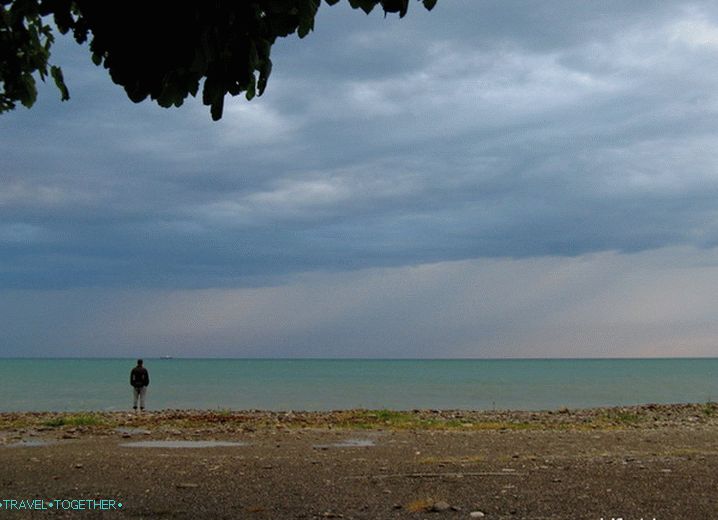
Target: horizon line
507 358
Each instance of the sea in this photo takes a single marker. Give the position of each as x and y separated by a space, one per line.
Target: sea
330 384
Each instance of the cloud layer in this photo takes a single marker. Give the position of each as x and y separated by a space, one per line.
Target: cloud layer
478 130
433 158
657 303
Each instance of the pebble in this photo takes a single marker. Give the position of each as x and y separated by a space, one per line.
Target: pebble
477 514
187 485
440 506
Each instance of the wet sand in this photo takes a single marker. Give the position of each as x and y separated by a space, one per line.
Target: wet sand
641 462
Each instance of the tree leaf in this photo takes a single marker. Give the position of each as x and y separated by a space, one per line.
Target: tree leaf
217 108
56 73
156 52
251 90
365 5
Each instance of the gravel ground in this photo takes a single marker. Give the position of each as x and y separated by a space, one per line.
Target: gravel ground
650 462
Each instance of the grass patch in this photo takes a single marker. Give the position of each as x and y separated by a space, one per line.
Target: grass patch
373 419
709 409
390 419
74 420
393 420
620 418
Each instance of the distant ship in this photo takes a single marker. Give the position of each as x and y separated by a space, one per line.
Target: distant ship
166 357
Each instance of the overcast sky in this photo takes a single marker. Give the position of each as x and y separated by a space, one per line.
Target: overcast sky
489 179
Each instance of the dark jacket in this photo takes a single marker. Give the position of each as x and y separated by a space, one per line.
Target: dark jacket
139 377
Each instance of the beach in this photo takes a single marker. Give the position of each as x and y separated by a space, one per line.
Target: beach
649 461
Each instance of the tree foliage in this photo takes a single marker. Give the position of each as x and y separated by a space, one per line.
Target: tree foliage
158 49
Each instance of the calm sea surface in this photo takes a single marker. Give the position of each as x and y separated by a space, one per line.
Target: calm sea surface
103 384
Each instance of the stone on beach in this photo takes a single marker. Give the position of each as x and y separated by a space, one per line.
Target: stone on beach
440 506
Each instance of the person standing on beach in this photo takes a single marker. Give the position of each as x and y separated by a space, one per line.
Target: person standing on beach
140 380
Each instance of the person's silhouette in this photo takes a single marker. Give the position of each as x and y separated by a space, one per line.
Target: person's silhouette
140 380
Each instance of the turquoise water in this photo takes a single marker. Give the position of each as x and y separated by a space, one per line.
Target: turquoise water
103 384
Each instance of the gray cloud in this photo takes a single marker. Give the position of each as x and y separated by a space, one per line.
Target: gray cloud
482 129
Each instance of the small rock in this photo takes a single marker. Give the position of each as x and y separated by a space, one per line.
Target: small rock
187 485
397 506
78 466
477 514
440 506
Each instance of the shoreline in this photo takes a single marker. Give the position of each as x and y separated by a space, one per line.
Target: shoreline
637 416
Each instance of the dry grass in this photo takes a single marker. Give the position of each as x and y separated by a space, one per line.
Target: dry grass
420 505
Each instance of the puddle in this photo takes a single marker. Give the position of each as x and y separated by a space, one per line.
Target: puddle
348 443
132 431
181 444
30 443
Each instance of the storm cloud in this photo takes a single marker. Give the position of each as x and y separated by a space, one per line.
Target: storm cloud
483 131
